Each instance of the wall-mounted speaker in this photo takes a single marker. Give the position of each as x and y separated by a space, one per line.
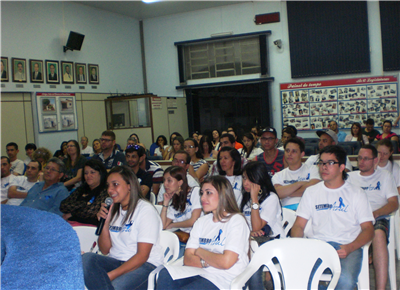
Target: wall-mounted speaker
74 42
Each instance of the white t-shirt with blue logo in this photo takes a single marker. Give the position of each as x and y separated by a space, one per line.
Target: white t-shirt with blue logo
378 186
313 159
145 226
217 237
336 214
192 203
236 182
287 176
23 185
270 211
393 168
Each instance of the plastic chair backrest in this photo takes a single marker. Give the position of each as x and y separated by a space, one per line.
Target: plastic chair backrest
291 253
87 238
158 208
153 198
289 217
391 252
170 244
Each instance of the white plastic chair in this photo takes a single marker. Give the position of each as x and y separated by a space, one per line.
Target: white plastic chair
397 231
153 198
87 238
291 253
392 257
158 208
170 244
363 277
289 217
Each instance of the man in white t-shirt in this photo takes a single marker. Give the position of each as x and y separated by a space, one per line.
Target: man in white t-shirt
182 159
86 150
20 186
291 182
340 215
6 178
17 166
327 138
380 187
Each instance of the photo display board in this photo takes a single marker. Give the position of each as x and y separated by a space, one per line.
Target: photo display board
311 105
56 112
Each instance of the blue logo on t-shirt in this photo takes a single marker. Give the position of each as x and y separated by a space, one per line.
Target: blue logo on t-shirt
215 241
334 207
372 187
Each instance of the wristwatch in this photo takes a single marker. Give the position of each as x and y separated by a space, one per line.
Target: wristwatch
255 205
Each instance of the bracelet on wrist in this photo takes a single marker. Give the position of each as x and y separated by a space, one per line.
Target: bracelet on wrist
203 263
165 205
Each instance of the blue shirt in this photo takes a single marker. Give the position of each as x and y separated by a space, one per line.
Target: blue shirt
48 199
341 136
115 159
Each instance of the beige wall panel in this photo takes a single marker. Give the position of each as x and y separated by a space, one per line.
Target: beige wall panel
5 97
29 119
160 121
94 119
79 113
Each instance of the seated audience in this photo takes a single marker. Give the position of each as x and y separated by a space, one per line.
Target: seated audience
369 130
249 150
48 194
96 146
334 127
206 147
356 134
200 166
196 135
62 152
86 149
130 237
218 243
256 130
109 155
229 166
29 149
17 166
167 152
385 160
6 178
83 204
287 133
340 214
20 186
135 136
237 144
155 171
387 132
162 146
291 182
177 144
42 155
135 154
181 204
131 141
216 134
73 165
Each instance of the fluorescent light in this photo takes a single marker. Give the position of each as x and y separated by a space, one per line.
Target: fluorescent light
150 1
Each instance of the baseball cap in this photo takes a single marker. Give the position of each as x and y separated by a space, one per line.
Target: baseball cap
330 133
270 130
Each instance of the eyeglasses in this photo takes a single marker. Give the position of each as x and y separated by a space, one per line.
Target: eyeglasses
269 139
188 147
384 153
328 163
51 169
359 158
176 161
105 140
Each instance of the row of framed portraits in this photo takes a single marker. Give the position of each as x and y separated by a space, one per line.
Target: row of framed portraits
52 71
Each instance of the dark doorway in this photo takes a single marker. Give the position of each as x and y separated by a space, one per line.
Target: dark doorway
241 106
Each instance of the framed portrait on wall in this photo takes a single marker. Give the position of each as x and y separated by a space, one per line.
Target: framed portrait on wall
67 70
4 69
80 69
93 70
52 72
36 70
19 70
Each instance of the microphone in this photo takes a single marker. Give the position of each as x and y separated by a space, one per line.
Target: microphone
108 202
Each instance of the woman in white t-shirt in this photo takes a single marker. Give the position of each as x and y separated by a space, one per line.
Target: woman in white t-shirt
216 252
262 209
130 237
200 166
162 146
229 165
181 204
385 151
249 150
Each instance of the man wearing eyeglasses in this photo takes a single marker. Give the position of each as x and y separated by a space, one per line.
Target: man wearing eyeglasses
109 155
272 157
340 214
380 187
20 186
291 182
47 195
135 154
182 159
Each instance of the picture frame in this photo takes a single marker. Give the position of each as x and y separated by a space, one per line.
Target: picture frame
94 76
80 70
36 70
48 105
49 122
52 72
19 70
4 69
67 71
67 121
67 104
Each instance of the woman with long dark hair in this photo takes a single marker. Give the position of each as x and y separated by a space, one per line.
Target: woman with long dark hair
356 134
387 132
83 204
218 243
249 150
130 237
96 146
176 141
162 146
73 165
200 166
206 147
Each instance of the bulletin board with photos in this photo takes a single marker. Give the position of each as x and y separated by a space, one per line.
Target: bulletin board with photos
312 105
56 112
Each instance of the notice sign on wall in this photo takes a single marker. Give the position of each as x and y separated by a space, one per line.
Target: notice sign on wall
156 103
311 105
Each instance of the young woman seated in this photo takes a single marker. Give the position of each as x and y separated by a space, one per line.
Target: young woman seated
356 134
387 132
249 150
162 145
218 243
130 237
73 165
83 204
200 166
177 144
206 147
96 146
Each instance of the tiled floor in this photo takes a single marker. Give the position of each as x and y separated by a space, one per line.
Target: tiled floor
372 277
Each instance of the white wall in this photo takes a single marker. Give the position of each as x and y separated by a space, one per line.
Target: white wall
162 32
38 30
